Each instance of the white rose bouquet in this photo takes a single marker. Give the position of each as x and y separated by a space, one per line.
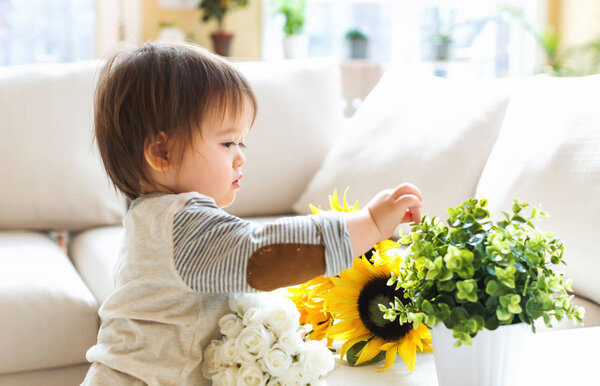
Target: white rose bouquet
261 345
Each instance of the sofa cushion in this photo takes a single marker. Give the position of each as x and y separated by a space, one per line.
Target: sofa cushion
299 116
52 176
94 253
57 376
48 317
548 154
433 132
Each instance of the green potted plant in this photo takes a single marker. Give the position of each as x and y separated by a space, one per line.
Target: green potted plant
440 45
472 275
358 42
295 44
217 9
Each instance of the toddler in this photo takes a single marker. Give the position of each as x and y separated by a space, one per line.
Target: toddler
170 123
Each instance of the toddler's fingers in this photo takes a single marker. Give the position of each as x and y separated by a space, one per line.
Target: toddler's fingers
412 215
407 189
408 201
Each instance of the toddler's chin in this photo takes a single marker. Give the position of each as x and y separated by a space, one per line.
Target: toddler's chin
225 202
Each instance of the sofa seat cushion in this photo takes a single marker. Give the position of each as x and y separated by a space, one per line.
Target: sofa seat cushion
48 317
548 155
94 253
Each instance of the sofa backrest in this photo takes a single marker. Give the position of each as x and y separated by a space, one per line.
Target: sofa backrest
51 175
435 133
300 111
548 155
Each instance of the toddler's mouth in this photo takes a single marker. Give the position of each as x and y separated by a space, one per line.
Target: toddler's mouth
237 182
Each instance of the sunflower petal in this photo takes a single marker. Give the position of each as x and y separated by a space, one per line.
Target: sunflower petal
351 342
314 209
408 353
370 350
386 245
390 358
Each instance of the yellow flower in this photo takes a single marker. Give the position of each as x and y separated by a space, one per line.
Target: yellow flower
345 307
334 204
354 301
308 298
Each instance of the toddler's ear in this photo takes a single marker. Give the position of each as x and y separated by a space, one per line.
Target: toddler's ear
157 152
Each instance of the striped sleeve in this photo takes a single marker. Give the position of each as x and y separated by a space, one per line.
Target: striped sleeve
211 247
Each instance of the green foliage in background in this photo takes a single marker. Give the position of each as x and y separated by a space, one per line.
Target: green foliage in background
550 41
293 11
217 9
355 34
473 273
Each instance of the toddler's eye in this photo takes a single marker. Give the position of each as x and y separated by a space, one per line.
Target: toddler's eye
230 144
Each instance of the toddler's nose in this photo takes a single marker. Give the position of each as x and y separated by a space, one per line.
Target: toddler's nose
239 160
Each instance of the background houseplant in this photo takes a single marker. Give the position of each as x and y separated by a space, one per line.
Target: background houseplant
475 273
558 58
217 9
358 42
295 44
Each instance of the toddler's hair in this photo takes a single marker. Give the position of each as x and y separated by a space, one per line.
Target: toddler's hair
160 88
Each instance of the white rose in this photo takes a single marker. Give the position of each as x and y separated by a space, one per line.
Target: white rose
253 316
275 361
253 342
230 325
275 381
228 353
316 360
290 342
210 362
251 374
282 319
227 377
292 376
241 302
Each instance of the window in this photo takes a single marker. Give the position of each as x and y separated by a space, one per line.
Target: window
446 37
42 31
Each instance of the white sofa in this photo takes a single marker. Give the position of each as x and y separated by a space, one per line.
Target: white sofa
536 139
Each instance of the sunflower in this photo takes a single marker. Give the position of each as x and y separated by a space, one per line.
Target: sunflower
354 301
309 301
346 307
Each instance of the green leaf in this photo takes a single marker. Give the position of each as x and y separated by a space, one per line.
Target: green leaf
494 288
516 208
467 290
503 314
476 238
492 323
427 307
458 314
446 286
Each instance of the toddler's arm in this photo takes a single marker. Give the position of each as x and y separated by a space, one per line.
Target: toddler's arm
217 252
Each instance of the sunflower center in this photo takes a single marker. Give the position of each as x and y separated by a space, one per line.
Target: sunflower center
378 292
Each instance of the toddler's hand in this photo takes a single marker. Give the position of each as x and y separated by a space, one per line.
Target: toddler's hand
394 206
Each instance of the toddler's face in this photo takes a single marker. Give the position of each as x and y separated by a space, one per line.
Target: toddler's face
213 165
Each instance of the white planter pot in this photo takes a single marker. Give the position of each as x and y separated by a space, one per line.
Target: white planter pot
295 46
494 358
